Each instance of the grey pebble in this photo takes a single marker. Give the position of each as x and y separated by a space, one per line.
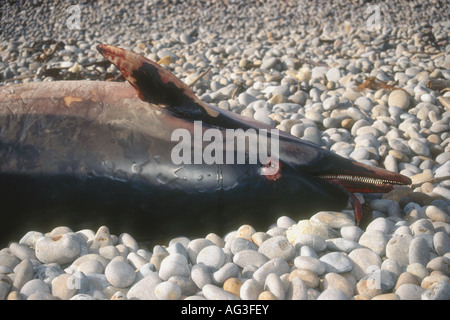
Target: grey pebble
352 233
313 241
439 291
33 286
441 242
277 265
167 290
23 273
174 265
211 292
332 294
419 251
336 262
120 273
342 244
229 270
59 249
212 256
397 248
409 291
201 275
364 261
310 263
375 240
249 257
274 284
240 244
250 290
277 246
144 289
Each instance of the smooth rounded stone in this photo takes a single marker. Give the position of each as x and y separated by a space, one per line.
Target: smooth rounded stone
167 290
297 290
380 224
364 261
239 244
120 273
310 279
352 233
441 242
440 264
313 241
310 263
277 247
247 257
144 289
409 291
129 242
82 296
419 251
399 98
102 238
201 275
285 222
212 292
214 238
109 252
212 256
364 103
337 262
23 273
63 288
233 285
337 281
341 244
437 214
245 231
250 290
334 220
375 240
91 266
419 147
33 286
5 286
434 277
88 257
229 270
391 266
422 226
137 261
274 284
318 72
195 246
245 98
277 265
332 294
30 238
59 249
330 103
397 248
333 74
306 251
418 270
174 265
439 291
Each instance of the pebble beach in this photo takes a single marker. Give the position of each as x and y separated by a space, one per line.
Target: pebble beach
369 81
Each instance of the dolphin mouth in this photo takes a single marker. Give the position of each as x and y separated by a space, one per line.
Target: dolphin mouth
364 184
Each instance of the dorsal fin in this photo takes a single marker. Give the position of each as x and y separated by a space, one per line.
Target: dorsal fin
156 85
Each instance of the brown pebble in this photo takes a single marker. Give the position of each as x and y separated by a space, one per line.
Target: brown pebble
266 295
406 277
233 285
386 296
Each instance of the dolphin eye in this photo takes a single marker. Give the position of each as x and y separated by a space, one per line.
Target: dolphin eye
271 170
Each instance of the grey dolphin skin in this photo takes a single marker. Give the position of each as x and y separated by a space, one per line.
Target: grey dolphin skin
90 153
